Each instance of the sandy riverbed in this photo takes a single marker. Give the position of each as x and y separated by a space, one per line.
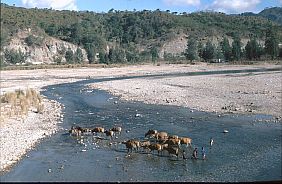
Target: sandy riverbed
236 93
245 93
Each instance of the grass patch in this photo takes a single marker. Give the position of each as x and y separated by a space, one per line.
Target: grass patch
19 102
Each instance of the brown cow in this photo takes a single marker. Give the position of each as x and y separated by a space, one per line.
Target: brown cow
172 150
131 144
98 130
156 146
145 144
116 129
109 133
75 131
161 136
186 140
173 142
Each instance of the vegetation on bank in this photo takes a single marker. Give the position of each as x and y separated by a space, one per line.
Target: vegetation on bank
19 102
137 36
235 52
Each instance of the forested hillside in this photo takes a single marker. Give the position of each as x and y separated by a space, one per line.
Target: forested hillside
133 36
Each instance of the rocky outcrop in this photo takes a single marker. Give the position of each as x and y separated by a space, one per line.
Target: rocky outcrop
46 50
174 47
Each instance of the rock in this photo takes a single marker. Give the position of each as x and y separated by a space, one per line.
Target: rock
138 115
61 167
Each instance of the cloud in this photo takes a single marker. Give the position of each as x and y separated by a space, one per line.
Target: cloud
182 2
234 6
55 4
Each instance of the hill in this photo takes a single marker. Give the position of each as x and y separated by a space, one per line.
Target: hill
274 14
125 36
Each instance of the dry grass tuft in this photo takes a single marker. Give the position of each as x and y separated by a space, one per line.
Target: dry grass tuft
18 103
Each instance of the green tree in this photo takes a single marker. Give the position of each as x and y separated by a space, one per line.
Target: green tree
226 49
209 51
4 33
13 56
236 48
76 33
90 52
218 53
191 52
200 49
271 43
280 53
52 29
253 49
154 53
112 55
32 40
69 56
78 56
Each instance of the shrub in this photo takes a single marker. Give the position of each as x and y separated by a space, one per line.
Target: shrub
13 56
19 102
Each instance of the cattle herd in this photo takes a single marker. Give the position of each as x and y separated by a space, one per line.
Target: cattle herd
153 140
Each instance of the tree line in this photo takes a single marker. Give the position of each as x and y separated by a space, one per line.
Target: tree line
253 50
137 36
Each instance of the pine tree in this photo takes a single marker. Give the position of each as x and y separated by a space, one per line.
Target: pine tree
271 43
236 48
219 54
154 53
200 49
209 51
253 49
69 56
78 56
226 49
191 52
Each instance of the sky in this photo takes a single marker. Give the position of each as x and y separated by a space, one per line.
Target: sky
226 6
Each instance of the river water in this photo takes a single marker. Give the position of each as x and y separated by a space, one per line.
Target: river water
251 151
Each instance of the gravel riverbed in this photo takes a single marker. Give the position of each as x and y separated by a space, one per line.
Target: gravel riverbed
249 92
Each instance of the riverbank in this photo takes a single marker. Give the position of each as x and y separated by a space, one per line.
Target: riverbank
241 93
19 135
251 93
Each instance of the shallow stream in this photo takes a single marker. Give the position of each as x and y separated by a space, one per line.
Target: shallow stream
251 151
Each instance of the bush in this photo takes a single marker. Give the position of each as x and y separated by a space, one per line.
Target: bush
19 102
13 56
32 40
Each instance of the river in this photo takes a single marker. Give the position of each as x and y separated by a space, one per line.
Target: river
251 151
